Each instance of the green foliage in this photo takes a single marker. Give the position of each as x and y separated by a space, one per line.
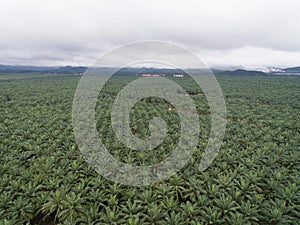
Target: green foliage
254 179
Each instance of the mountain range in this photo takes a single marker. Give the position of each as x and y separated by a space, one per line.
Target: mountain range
234 70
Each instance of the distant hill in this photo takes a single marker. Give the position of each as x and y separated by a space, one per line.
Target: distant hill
227 68
42 69
82 69
142 70
69 70
16 69
292 70
241 72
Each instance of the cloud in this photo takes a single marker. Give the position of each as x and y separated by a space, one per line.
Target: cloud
220 32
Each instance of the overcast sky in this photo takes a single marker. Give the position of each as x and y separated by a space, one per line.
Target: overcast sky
252 33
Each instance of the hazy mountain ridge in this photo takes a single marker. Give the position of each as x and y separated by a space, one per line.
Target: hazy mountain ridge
292 69
43 69
239 70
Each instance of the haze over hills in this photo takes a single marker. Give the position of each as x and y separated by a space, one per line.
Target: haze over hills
293 69
235 70
43 69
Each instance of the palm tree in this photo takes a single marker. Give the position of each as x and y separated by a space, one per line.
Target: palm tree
55 204
21 210
72 208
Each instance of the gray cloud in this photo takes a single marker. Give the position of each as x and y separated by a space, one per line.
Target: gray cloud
250 33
